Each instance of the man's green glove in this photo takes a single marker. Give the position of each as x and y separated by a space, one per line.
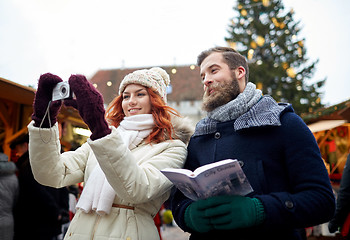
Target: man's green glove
195 217
233 212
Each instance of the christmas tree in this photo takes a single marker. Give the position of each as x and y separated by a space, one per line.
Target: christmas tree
267 35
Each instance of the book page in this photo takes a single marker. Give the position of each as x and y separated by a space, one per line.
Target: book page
184 183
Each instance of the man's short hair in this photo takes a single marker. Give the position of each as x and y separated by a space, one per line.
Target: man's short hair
24 138
232 58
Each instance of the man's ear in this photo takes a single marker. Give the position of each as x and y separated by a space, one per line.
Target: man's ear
240 73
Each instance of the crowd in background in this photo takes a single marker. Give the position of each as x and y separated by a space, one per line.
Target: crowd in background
28 208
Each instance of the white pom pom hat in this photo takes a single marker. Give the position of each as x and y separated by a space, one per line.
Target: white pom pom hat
155 78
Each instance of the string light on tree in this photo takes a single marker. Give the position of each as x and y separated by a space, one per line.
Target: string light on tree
253 44
232 44
250 54
260 40
291 72
285 65
265 3
300 52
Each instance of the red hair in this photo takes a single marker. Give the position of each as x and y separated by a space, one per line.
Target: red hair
163 128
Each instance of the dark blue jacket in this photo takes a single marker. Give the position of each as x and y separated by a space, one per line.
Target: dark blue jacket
282 162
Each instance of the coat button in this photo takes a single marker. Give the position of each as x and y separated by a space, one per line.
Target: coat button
289 204
241 163
217 135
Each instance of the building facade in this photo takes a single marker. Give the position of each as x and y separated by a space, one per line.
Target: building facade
184 93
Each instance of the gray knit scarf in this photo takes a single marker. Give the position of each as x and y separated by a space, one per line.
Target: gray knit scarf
231 110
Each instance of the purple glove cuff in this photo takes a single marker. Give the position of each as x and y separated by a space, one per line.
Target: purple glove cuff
100 130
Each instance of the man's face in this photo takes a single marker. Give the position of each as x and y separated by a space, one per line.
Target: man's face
220 82
21 149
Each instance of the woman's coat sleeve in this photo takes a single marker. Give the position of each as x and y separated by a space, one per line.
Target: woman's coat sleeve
133 180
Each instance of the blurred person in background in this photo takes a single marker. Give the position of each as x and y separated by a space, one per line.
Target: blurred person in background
40 209
341 220
8 196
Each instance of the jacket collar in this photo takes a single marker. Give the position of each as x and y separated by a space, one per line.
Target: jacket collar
266 112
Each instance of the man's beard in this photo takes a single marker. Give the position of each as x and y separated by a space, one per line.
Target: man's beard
223 93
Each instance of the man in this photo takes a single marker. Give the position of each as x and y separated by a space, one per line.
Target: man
8 196
40 210
276 150
341 218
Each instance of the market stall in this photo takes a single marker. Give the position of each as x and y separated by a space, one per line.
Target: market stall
333 138
331 129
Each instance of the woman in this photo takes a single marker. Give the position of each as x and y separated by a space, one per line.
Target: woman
120 163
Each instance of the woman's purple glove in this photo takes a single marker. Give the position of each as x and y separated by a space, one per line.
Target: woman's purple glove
89 102
43 96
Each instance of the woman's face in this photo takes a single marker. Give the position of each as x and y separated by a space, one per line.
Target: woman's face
136 100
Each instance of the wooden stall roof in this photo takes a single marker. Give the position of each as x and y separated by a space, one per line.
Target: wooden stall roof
340 111
325 125
15 92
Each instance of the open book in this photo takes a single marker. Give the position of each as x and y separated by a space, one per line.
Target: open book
225 177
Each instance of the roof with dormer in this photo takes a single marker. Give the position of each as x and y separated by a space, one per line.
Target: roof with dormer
185 82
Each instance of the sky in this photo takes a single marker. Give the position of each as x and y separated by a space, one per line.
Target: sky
67 37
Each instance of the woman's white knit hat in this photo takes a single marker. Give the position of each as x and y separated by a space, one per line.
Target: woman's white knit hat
155 78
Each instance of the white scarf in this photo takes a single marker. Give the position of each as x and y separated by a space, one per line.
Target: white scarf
98 195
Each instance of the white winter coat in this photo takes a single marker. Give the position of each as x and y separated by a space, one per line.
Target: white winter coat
134 175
